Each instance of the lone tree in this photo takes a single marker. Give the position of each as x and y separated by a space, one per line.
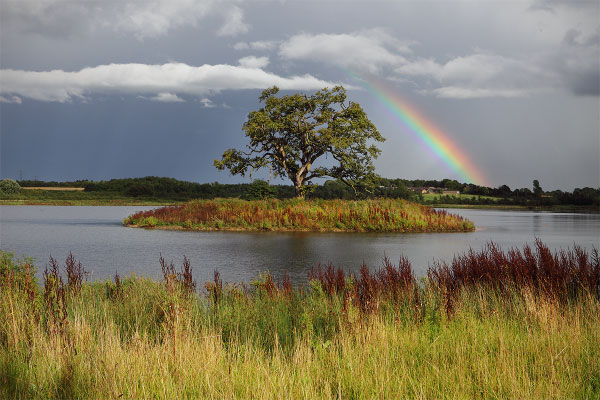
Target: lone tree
291 132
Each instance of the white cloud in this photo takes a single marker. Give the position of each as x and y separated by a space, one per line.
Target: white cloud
367 50
480 75
207 103
144 19
139 79
11 99
254 62
166 98
261 45
574 65
374 51
234 23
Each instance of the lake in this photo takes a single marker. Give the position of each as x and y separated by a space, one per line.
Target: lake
97 238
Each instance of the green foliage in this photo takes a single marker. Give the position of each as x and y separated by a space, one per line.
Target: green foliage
259 190
38 183
154 191
8 186
290 133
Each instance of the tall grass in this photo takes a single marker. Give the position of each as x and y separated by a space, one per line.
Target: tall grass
383 215
381 333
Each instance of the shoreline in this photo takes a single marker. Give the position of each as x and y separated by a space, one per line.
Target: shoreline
284 230
162 203
380 215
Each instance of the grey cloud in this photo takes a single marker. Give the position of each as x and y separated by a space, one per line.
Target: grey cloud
143 19
165 80
480 75
261 45
574 65
374 51
578 62
458 92
551 5
367 50
234 22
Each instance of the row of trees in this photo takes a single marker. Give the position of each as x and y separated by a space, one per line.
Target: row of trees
301 138
169 188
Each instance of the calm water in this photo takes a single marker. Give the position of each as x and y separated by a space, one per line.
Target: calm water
97 238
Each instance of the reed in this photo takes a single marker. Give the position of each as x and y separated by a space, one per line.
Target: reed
382 215
521 324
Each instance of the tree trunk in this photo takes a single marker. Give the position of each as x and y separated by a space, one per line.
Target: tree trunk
298 188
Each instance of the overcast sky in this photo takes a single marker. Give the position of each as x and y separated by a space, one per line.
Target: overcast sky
109 89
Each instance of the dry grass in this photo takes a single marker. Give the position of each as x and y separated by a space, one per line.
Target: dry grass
378 335
383 215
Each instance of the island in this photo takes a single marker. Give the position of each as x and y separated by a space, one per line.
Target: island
377 215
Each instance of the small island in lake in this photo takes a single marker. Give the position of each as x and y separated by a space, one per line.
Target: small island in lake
380 215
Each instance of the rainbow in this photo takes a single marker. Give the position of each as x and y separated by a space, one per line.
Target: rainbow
424 129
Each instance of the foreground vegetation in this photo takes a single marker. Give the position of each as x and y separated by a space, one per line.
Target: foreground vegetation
153 190
384 215
493 324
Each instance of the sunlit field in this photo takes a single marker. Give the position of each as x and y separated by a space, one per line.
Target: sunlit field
523 323
436 196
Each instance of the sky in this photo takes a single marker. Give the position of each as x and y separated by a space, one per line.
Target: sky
490 92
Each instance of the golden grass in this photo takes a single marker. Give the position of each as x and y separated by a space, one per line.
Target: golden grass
552 353
380 335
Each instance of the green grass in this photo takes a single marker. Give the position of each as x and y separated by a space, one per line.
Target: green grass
436 196
137 338
382 215
80 198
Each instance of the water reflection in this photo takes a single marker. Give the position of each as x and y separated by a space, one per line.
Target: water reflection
95 236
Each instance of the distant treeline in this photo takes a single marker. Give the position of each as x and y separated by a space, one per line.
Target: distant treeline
170 188
503 195
152 186
37 183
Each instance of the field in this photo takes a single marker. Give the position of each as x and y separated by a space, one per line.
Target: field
436 196
68 197
383 215
493 324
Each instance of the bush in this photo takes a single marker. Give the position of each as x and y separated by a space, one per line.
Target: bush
8 186
259 190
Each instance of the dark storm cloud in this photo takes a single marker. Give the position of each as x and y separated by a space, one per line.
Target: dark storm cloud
513 84
579 62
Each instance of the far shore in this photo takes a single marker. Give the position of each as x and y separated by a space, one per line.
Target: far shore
166 202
